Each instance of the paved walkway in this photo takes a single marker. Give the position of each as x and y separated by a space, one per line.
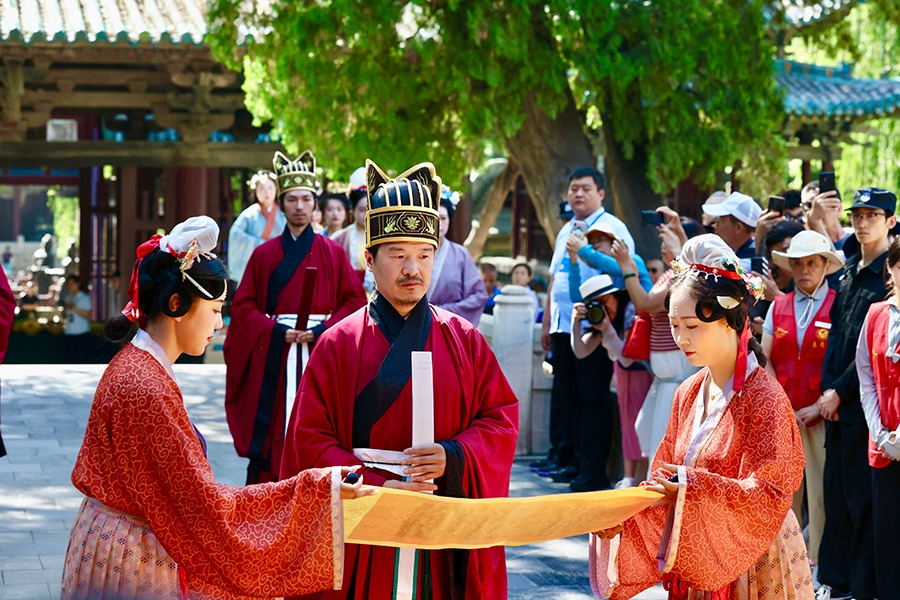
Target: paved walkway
44 413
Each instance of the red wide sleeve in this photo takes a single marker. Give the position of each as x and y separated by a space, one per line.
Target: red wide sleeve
636 562
728 522
141 455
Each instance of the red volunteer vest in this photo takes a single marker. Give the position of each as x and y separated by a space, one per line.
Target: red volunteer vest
886 373
799 378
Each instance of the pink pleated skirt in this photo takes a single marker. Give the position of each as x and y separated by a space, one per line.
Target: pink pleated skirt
115 555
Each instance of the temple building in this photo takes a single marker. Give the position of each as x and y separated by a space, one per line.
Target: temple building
120 107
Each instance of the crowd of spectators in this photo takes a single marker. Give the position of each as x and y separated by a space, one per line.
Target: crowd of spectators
827 271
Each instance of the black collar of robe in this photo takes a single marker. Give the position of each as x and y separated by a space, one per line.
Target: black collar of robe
294 253
405 336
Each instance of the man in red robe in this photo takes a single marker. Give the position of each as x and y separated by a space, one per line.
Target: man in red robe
7 311
258 351
355 403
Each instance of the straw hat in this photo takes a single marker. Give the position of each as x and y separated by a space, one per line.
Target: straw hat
809 243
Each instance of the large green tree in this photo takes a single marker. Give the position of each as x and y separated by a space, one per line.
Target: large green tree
664 90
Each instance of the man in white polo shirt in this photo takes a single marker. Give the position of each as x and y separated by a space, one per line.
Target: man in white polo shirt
583 393
736 223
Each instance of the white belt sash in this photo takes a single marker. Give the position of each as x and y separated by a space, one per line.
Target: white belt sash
406 565
291 385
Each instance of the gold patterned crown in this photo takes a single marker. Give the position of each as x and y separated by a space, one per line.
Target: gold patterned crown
403 209
297 174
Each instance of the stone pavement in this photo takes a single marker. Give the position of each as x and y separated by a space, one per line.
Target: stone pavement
44 413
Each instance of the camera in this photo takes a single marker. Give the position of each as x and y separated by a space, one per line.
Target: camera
652 217
596 312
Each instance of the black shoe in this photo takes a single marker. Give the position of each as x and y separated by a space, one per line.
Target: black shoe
543 465
565 475
583 484
551 470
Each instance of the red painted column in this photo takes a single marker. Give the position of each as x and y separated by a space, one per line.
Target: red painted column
193 192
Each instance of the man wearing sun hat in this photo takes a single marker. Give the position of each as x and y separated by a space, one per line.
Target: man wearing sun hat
737 217
795 337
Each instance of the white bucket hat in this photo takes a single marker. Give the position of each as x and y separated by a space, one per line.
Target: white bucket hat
596 286
809 243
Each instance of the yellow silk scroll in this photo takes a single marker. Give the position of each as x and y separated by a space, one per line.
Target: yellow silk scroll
412 520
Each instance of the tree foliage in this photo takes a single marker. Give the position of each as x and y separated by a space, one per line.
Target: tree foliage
399 80
669 89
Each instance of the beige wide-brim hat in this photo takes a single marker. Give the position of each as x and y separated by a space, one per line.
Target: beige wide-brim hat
809 243
601 228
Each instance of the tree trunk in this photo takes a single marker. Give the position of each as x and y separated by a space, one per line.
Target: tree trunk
629 192
493 204
547 150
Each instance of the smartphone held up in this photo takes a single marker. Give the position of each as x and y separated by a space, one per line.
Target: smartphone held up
653 218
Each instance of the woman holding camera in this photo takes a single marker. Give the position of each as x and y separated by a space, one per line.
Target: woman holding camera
605 316
154 523
728 465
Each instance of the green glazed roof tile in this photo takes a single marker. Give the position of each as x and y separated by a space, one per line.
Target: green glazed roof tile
103 21
817 91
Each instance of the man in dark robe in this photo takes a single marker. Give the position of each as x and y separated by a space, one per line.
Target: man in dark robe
274 290
355 404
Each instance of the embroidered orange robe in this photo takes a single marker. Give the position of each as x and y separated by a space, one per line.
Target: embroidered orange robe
732 519
141 456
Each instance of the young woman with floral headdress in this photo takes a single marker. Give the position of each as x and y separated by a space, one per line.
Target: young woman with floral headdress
154 523
727 466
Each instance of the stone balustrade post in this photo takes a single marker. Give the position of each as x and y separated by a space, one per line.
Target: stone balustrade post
513 341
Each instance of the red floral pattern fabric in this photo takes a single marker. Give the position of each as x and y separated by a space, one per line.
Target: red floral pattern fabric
141 456
733 523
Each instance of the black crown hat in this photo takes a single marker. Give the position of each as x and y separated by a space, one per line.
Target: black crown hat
403 209
297 174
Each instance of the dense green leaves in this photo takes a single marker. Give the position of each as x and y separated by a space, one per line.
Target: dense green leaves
690 82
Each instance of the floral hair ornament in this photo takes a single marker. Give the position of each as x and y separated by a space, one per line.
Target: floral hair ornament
187 242
190 242
710 256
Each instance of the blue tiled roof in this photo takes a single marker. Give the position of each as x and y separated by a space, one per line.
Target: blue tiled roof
115 21
815 91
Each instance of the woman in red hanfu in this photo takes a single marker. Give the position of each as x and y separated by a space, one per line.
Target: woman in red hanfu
154 523
728 465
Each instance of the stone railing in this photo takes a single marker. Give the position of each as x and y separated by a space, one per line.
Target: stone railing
516 341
